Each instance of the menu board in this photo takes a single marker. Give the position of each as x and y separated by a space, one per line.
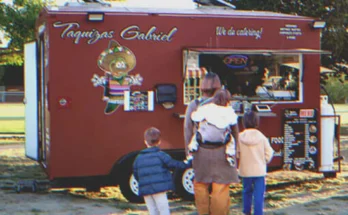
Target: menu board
138 101
300 139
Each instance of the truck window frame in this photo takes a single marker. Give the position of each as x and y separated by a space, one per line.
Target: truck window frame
191 64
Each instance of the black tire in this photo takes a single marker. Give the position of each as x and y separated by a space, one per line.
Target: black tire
330 174
92 188
183 179
129 186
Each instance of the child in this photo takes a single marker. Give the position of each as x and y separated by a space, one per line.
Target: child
151 170
254 152
214 121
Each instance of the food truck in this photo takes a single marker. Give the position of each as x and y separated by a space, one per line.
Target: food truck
97 76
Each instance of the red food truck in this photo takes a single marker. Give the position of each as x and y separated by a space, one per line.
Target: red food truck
96 77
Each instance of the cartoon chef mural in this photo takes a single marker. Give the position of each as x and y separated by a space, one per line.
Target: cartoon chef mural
116 61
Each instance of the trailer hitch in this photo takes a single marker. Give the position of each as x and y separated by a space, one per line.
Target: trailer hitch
339 158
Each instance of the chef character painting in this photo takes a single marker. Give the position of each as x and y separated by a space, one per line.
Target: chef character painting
116 61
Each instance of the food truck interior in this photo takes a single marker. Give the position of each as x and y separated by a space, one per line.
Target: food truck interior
262 77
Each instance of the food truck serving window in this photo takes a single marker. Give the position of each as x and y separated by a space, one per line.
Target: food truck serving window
259 75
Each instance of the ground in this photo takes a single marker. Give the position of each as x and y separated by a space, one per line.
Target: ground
288 192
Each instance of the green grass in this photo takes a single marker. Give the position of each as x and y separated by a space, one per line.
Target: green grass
12 125
12 110
342 110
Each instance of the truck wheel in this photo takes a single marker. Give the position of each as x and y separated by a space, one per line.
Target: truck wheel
129 188
183 179
92 188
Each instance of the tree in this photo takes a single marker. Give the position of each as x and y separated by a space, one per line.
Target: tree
17 20
334 12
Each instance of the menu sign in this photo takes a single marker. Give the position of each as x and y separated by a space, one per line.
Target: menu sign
300 139
138 101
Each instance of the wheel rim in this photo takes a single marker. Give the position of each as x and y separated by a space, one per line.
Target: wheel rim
187 180
134 186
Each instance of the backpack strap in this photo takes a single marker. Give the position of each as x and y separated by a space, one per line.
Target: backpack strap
197 102
201 101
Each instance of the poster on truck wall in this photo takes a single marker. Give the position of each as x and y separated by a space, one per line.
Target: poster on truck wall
116 62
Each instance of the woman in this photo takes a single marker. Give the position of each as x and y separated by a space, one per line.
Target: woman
209 162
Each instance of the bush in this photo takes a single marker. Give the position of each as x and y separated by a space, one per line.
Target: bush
338 91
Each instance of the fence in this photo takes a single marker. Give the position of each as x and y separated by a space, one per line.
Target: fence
11 96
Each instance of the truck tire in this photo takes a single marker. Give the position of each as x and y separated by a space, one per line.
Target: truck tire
183 179
129 187
92 188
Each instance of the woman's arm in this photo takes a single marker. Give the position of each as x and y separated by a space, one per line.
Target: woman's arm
188 124
268 150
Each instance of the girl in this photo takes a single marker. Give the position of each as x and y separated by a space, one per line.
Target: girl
254 152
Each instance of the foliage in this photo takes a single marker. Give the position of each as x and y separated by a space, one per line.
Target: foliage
337 90
334 12
11 57
17 20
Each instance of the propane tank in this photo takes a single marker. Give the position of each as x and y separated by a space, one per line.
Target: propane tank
327 135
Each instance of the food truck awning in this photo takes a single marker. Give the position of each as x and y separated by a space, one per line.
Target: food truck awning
253 51
297 66
195 73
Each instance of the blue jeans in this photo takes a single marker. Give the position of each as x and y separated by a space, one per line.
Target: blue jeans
253 187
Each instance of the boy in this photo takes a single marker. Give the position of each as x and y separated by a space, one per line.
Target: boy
254 151
151 170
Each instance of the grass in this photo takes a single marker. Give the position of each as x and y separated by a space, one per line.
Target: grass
12 125
342 110
14 166
12 110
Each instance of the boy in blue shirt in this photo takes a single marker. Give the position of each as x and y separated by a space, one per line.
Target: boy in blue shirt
151 169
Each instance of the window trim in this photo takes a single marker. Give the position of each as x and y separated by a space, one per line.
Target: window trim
299 52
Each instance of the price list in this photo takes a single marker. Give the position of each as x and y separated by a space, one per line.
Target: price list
297 139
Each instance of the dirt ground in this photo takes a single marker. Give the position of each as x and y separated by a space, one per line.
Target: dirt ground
312 195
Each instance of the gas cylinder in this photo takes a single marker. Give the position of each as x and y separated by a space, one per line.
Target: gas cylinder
327 123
